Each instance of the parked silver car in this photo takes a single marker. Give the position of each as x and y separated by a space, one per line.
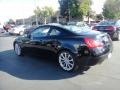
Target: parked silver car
19 30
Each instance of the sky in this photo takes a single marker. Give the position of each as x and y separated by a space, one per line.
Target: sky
98 5
16 9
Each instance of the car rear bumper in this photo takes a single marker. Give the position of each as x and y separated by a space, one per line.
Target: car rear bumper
93 60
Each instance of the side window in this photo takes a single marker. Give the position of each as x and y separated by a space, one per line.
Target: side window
40 32
54 32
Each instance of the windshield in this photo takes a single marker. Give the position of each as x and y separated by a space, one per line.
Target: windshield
112 22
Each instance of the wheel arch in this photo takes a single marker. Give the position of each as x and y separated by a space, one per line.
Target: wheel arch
67 48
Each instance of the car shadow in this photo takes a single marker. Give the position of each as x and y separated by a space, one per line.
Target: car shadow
33 66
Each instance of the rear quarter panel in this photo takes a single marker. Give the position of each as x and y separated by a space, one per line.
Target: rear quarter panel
71 43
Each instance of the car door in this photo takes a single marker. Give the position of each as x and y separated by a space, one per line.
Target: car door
53 41
38 36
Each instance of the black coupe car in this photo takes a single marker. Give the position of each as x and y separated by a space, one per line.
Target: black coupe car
112 27
73 46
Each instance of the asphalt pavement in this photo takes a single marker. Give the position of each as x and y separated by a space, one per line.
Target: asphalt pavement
42 72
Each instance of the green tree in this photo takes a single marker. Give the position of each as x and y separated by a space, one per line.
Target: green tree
74 8
38 11
91 14
111 9
44 12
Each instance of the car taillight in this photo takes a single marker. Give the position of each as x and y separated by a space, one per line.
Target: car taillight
91 43
110 28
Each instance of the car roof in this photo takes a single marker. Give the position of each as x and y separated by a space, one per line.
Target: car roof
52 25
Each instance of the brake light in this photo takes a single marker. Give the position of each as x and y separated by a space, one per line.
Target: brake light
110 28
91 43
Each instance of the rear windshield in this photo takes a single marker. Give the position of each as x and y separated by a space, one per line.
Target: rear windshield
80 24
112 22
77 30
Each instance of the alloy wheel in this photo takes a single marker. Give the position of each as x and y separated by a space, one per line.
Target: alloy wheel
17 49
66 61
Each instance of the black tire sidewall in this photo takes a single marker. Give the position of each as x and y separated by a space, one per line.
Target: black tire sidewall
21 50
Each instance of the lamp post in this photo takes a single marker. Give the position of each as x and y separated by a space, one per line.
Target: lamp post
69 9
36 17
23 21
89 12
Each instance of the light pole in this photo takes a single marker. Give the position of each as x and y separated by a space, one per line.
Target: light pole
23 21
69 14
69 10
36 17
89 12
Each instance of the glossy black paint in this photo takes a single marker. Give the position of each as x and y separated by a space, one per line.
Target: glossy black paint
69 41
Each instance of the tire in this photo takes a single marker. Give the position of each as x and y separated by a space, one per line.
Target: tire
18 50
118 36
67 61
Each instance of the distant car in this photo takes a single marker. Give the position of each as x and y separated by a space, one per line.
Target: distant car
73 46
19 30
7 27
112 27
1 29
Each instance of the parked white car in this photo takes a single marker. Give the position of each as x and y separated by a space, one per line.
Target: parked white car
19 30
2 30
